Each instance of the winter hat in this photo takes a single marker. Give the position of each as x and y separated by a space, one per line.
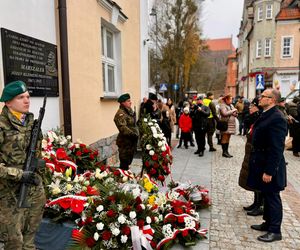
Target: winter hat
123 98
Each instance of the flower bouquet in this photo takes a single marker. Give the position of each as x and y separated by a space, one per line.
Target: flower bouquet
157 157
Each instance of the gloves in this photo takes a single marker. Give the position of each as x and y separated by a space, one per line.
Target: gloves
29 177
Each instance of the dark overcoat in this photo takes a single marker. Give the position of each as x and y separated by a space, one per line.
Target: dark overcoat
268 138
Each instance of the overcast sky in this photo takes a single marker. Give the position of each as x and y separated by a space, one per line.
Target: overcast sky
221 18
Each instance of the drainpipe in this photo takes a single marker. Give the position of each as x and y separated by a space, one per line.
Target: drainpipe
63 34
248 66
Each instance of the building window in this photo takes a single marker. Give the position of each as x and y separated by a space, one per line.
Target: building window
286 47
269 11
110 60
267 47
258 49
260 13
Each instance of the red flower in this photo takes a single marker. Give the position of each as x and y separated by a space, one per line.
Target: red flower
61 154
92 157
77 206
180 219
102 168
152 171
90 242
185 233
117 173
92 191
111 198
161 177
164 153
111 213
155 165
126 230
153 244
88 220
82 145
127 209
154 157
78 153
138 200
140 223
106 235
86 150
147 164
139 208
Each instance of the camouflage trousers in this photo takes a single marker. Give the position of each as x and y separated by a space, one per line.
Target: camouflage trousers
19 225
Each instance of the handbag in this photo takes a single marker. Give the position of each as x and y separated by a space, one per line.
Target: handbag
222 125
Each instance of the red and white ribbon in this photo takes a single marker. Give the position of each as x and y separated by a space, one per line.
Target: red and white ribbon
141 238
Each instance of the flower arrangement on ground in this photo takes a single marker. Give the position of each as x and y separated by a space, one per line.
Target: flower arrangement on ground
156 157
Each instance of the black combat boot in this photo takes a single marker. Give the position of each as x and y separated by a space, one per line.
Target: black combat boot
227 146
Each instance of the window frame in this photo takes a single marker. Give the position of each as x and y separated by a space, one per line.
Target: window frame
269 10
269 47
290 55
258 49
260 13
110 89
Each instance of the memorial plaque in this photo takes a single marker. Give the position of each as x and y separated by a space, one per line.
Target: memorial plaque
30 60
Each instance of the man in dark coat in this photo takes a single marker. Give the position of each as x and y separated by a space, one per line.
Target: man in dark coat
150 107
199 117
267 167
125 120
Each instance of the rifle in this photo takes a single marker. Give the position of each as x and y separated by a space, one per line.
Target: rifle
31 162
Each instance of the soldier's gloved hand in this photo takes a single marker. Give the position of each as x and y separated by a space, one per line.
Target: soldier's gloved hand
29 177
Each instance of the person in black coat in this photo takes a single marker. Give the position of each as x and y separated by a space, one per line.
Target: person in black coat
267 167
199 118
166 126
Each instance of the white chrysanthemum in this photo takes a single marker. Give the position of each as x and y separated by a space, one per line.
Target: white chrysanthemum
156 219
99 208
81 178
136 192
115 231
163 148
143 206
125 179
76 179
148 220
86 183
77 145
68 137
148 146
100 226
96 236
124 238
150 123
122 219
151 152
145 120
159 143
132 214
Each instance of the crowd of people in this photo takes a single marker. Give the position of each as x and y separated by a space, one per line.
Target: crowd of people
264 121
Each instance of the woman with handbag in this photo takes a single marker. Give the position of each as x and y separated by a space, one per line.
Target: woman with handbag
228 114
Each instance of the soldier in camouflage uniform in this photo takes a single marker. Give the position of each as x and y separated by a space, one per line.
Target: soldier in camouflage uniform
125 120
17 225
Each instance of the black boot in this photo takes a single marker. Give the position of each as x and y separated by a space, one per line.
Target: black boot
253 205
227 146
258 209
225 152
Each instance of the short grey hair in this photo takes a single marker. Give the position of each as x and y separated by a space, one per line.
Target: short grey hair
277 95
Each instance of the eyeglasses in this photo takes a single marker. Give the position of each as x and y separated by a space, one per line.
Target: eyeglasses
266 96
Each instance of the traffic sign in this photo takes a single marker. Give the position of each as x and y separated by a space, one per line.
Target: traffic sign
260 81
176 86
163 87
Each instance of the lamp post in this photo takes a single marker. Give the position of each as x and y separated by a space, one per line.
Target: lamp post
154 13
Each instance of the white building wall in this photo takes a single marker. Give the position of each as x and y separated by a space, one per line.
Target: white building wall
34 18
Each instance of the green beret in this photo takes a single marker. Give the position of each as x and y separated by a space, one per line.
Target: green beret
123 98
13 89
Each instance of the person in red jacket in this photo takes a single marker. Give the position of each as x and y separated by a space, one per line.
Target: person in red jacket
185 124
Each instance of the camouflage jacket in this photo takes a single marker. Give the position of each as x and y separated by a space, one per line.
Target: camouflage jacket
14 141
125 121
